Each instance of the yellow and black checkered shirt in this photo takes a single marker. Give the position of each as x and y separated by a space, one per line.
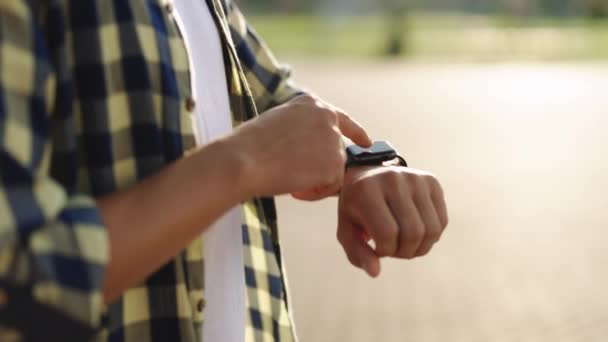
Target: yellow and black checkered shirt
95 95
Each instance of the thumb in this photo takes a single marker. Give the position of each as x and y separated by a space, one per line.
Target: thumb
353 130
317 193
359 253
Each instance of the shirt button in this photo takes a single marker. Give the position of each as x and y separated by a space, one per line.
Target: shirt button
190 104
3 299
200 306
169 7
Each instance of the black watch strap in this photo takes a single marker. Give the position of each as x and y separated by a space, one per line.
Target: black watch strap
402 161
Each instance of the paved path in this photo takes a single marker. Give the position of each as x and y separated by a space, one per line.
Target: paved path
521 150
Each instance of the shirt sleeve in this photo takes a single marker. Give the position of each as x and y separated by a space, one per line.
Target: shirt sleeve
269 80
53 246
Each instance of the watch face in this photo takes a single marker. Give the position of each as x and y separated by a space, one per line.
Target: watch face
382 147
378 153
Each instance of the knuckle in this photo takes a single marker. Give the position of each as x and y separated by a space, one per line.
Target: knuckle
329 114
425 251
406 251
384 250
419 188
415 233
386 244
306 99
434 185
352 259
327 123
412 179
445 221
343 117
431 180
434 233
336 135
387 236
421 182
320 118
444 218
394 179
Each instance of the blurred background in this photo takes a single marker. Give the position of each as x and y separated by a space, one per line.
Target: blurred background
505 101
477 30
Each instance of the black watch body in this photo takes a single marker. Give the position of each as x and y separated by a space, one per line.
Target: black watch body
377 154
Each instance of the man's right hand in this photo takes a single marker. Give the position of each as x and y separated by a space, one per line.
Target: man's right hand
296 147
293 147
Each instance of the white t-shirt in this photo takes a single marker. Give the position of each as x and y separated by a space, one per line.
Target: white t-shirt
223 253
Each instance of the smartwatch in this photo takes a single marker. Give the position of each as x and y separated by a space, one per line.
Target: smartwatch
377 154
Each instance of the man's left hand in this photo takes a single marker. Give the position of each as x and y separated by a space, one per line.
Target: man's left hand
401 209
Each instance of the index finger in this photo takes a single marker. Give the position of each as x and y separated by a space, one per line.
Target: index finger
353 130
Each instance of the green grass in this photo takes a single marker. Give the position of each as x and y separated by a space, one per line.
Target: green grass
444 37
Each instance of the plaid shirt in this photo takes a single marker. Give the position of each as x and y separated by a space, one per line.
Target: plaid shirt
95 95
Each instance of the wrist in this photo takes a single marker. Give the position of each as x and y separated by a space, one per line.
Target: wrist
219 167
352 173
240 166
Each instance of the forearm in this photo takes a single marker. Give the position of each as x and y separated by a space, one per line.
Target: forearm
153 221
293 147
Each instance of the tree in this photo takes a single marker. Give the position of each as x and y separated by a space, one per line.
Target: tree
288 5
518 8
396 18
597 9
